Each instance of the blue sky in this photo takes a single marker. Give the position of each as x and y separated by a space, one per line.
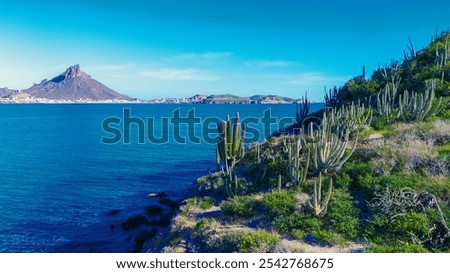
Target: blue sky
177 48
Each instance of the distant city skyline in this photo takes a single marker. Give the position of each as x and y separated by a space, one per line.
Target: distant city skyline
175 48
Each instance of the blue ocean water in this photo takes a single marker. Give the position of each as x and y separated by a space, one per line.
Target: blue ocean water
59 182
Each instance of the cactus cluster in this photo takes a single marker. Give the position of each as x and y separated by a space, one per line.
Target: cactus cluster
414 106
328 148
230 146
387 103
332 97
302 109
298 161
320 205
349 117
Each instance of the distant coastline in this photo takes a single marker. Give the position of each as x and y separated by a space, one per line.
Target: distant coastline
74 86
23 98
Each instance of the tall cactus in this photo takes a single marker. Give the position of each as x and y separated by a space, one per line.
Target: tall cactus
231 139
328 148
318 205
303 109
297 170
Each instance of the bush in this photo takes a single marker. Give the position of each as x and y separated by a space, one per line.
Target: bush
403 228
328 237
290 223
280 203
343 216
206 203
406 248
257 241
343 181
203 223
239 206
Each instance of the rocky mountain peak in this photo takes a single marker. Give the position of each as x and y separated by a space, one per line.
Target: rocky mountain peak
74 84
73 71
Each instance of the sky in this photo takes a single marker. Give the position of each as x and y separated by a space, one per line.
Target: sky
179 48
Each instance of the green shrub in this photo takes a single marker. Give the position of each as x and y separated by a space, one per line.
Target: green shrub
402 228
203 223
343 216
343 181
206 203
298 234
288 224
280 203
380 123
239 206
257 241
406 248
328 237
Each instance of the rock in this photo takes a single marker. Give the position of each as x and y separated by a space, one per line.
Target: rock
170 203
142 237
165 220
153 209
134 222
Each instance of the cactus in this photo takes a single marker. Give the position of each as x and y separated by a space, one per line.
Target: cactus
349 117
416 107
328 148
279 183
303 109
297 171
318 205
333 96
230 146
387 104
232 185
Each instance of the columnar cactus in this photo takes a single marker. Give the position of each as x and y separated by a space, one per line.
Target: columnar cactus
416 107
232 185
387 103
303 109
328 148
349 117
318 205
297 170
230 146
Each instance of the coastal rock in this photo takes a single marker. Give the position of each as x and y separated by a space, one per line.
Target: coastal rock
142 237
134 222
153 209
170 203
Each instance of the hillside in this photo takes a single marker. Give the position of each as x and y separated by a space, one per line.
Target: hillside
372 176
72 85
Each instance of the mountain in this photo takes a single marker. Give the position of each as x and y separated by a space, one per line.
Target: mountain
6 92
73 84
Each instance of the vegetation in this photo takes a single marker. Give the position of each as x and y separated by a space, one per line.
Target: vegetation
375 170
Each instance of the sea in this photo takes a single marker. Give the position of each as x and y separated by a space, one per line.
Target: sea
72 174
